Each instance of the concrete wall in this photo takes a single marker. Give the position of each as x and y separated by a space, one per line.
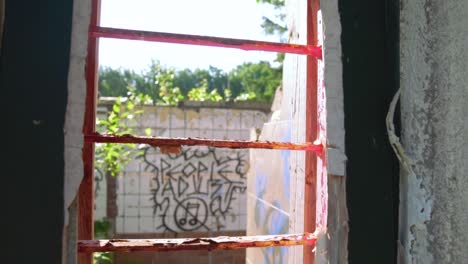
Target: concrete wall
200 190
332 248
434 83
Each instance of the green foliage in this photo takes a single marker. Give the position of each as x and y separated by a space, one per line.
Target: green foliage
168 94
276 3
114 82
258 80
201 93
101 231
276 25
245 97
112 158
102 258
167 86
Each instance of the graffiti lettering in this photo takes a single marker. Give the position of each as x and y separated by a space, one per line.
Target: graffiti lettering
195 186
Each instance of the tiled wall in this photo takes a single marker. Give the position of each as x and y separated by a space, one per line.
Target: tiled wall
199 190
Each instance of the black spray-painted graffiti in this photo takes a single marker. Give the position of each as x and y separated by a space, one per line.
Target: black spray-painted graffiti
195 186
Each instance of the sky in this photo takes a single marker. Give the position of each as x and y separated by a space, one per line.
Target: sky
219 18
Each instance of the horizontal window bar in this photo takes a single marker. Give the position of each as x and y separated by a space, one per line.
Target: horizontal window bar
177 142
207 243
242 44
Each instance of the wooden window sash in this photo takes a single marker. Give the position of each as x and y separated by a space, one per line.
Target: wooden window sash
86 200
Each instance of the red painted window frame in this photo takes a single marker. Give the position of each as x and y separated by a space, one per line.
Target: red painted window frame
85 195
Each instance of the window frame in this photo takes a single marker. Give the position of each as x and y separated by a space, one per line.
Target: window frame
87 246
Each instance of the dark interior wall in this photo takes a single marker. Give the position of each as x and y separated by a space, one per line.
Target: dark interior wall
370 79
33 72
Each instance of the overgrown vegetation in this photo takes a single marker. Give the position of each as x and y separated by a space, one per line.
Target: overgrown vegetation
112 158
101 231
167 86
276 25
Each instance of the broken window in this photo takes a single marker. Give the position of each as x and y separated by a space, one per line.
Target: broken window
312 146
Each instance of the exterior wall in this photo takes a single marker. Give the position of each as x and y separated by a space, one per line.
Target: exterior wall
333 247
73 128
200 190
276 184
269 194
434 196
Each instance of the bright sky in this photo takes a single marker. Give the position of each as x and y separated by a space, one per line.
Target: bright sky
220 18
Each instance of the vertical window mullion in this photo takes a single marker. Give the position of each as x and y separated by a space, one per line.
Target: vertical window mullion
310 191
86 189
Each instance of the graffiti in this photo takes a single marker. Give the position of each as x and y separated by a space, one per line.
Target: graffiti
195 186
269 220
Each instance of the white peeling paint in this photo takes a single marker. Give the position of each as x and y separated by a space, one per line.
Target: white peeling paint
336 158
74 117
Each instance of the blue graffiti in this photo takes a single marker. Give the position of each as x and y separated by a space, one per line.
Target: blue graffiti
278 221
261 181
285 160
260 188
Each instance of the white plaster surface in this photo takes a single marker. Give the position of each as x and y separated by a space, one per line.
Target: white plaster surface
336 158
434 83
332 246
74 119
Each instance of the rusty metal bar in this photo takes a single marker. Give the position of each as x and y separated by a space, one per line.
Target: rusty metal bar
207 243
242 44
86 189
177 142
312 128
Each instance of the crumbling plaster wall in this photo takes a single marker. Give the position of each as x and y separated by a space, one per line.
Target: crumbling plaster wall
333 247
73 128
434 83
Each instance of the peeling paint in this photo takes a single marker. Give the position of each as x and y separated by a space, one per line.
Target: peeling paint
207 243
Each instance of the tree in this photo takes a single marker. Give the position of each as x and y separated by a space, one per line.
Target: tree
259 79
202 94
277 25
112 82
167 86
112 158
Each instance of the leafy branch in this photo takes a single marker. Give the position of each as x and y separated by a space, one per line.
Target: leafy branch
112 158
